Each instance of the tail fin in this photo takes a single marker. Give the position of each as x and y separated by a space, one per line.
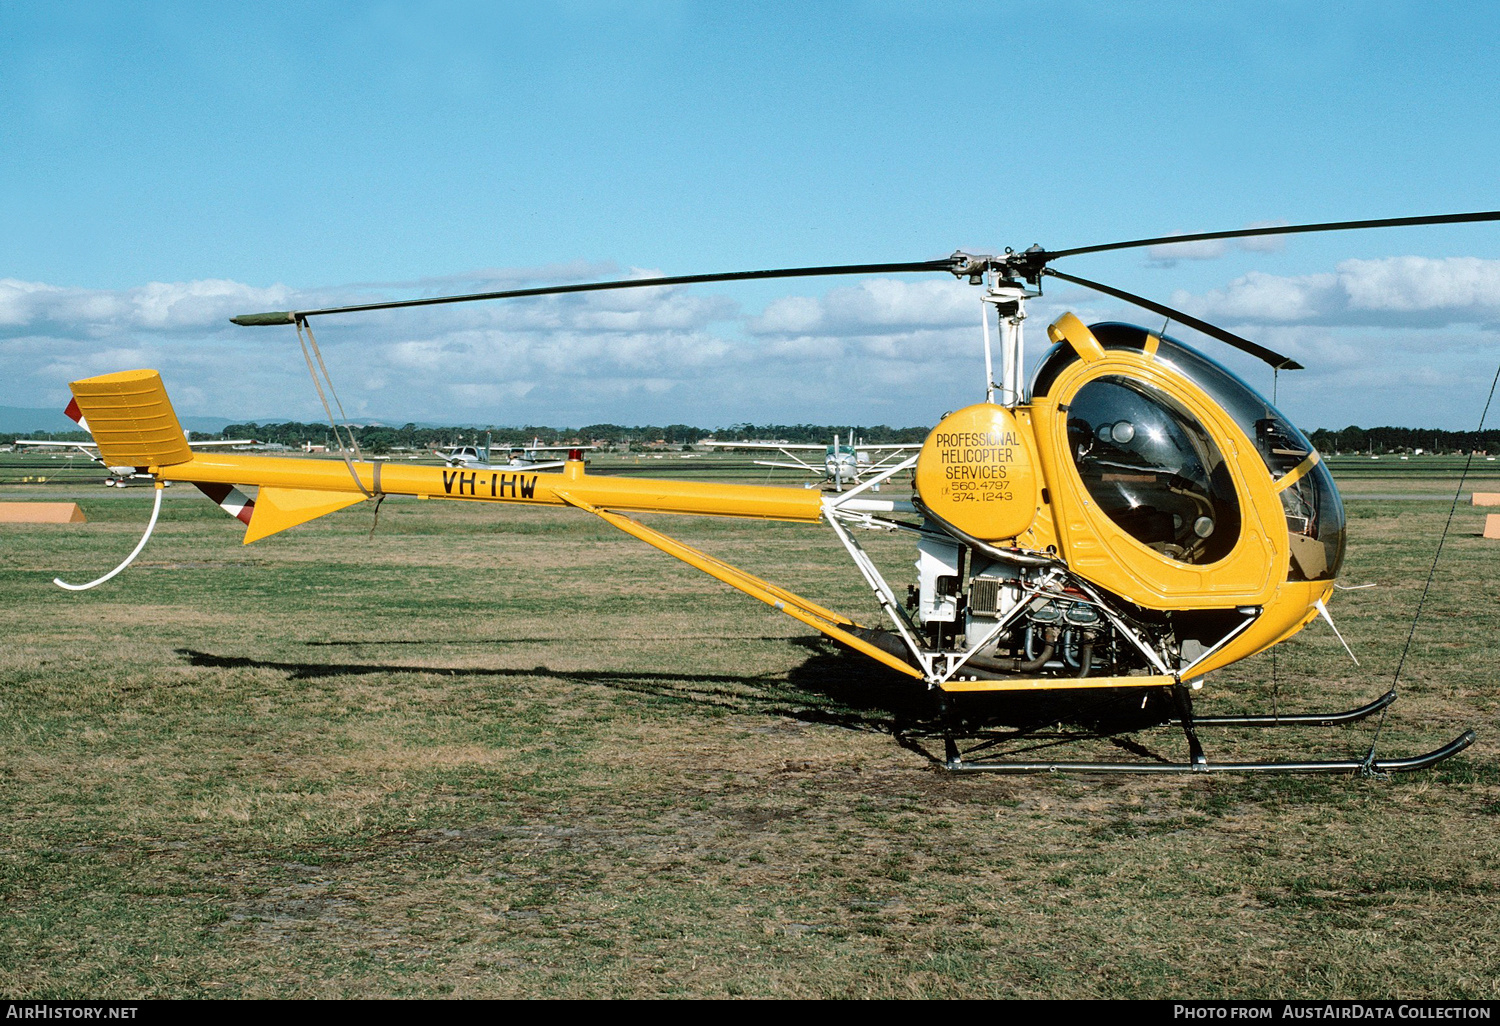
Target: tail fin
131 419
276 509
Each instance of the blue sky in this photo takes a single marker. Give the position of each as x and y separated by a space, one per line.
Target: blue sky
163 167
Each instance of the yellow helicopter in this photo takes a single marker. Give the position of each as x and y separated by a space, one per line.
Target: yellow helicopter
1134 519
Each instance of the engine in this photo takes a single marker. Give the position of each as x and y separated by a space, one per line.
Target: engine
1028 621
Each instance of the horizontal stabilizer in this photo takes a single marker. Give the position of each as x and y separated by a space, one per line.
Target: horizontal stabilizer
131 419
276 509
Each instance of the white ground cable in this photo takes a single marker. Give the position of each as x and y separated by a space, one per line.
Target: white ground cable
155 509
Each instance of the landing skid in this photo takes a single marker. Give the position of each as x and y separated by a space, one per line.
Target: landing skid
1296 719
956 761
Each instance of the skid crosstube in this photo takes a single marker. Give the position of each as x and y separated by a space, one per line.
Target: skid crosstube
956 764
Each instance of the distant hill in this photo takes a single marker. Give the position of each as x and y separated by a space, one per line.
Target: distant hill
206 425
25 418
22 419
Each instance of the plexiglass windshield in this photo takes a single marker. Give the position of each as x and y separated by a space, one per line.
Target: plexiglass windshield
1314 513
1153 469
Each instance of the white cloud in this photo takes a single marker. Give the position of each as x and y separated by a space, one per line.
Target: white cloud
478 361
1460 286
876 305
1408 290
669 309
1264 243
881 350
29 307
1168 253
790 315
1261 297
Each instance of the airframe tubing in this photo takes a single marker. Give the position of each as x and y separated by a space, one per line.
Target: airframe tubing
1346 766
793 605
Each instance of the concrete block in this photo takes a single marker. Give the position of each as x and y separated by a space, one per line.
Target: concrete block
46 513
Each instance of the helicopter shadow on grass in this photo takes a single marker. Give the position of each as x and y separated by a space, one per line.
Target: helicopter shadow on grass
999 723
878 708
832 687
528 640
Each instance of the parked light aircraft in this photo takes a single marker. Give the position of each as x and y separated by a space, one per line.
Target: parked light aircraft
118 476
480 457
841 463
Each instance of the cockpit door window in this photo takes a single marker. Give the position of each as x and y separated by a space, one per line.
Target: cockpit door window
1153 469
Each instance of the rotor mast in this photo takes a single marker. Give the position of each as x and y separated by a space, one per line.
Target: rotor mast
1009 300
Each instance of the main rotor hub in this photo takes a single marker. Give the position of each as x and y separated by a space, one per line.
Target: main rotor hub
1026 265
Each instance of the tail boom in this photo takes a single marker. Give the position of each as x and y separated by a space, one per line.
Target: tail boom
134 425
635 495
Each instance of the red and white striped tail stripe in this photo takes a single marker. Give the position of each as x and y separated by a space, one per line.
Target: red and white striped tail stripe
235 502
77 414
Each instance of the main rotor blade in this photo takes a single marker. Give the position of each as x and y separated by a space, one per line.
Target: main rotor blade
1273 358
1284 229
291 316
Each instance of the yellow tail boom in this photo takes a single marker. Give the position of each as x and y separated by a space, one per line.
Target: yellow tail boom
134 425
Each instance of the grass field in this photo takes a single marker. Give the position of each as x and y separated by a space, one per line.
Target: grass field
498 753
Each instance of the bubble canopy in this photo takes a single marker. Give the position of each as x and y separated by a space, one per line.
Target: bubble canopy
1158 474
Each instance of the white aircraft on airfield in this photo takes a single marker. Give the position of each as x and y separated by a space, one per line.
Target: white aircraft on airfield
479 457
118 477
841 463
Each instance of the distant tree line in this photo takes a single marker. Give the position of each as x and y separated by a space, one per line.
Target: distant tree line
880 434
1378 440
379 438
7 437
